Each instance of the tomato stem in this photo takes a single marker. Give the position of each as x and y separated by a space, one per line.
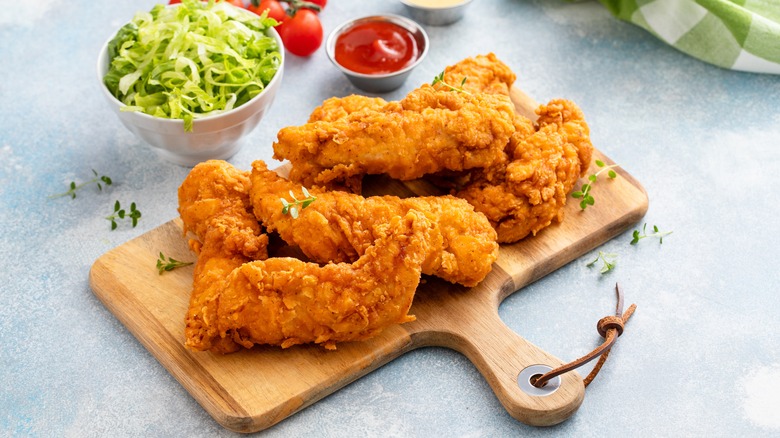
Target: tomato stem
295 5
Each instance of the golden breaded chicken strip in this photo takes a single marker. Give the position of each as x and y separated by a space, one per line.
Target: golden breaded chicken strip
339 226
284 301
484 74
214 205
427 131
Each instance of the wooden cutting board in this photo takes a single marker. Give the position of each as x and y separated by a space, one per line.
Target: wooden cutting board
251 390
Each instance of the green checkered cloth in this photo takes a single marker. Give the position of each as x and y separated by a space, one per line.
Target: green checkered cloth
735 34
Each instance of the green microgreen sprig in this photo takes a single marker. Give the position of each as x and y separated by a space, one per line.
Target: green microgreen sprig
170 264
584 192
291 207
656 233
439 79
608 259
98 179
120 213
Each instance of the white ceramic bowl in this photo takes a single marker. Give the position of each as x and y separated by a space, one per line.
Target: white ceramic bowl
212 137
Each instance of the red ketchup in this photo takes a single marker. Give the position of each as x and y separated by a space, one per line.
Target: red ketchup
376 47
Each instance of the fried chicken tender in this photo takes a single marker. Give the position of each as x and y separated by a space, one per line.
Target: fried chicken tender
428 131
339 226
285 301
528 192
214 204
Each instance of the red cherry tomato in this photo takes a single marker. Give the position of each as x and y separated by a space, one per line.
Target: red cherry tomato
302 33
173 2
320 3
275 9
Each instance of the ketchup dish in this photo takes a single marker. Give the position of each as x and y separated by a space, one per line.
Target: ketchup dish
378 52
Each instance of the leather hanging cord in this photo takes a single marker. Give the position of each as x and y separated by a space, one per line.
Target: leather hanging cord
610 328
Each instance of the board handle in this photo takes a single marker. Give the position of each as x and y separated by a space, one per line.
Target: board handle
508 362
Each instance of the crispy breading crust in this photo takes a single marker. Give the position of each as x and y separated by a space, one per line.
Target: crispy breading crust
543 163
339 226
428 131
214 205
483 74
285 301
339 107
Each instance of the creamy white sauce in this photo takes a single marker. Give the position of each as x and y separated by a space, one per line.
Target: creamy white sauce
435 3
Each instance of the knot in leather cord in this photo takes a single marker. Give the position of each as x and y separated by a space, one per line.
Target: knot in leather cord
610 328
610 322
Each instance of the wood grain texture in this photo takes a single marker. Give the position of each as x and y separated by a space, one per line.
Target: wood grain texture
251 390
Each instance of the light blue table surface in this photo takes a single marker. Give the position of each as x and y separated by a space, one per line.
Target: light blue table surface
701 357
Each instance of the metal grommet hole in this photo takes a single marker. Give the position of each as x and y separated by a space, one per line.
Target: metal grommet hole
536 377
530 374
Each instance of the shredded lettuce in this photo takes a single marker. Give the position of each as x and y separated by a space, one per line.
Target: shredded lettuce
190 61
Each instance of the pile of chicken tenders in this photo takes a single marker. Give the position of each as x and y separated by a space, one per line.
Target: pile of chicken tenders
507 177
